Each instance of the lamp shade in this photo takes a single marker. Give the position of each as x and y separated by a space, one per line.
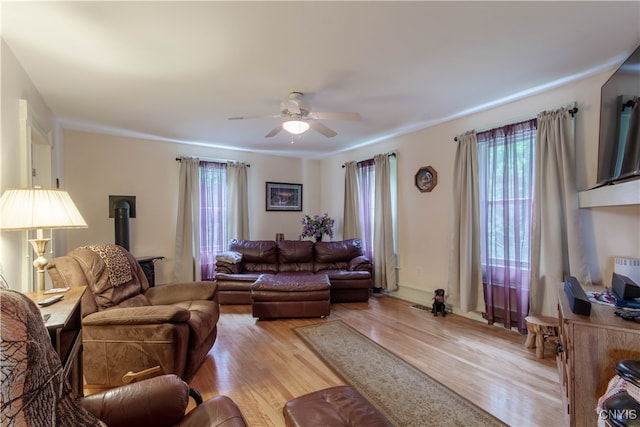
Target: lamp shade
38 208
295 127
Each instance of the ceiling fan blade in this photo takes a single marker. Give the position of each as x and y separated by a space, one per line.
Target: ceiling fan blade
261 116
319 127
334 116
274 131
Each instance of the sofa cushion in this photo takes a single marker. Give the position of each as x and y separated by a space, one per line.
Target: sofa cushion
295 255
345 250
257 255
295 251
257 251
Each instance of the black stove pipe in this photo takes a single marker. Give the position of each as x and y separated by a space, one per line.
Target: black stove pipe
121 215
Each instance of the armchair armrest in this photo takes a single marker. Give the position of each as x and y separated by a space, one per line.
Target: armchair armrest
360 263
180 292
159 401
138 316
217 411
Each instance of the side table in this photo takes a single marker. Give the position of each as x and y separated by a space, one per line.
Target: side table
148 266
538 329
64 323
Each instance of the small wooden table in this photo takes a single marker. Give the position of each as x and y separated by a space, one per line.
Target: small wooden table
64 323
538 329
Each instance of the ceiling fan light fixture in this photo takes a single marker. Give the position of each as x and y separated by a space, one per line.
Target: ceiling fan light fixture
295 127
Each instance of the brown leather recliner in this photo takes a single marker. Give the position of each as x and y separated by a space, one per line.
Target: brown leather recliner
129 326
35 390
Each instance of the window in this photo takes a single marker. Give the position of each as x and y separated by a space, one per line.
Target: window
506 176
366 188
365 171
213 214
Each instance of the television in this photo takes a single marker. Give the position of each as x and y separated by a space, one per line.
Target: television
619 143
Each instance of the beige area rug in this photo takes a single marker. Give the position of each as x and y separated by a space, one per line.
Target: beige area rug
405 395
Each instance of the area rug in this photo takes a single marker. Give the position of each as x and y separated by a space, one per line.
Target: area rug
405 395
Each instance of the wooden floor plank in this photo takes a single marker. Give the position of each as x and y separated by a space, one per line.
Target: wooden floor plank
262 364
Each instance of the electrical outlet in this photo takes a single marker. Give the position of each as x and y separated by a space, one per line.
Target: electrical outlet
418 271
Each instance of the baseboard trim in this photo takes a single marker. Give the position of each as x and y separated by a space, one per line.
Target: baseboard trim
425 297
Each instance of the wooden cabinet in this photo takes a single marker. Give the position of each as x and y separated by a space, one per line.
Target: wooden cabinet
64 323
590 348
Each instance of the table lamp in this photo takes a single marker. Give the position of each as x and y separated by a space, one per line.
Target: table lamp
36 209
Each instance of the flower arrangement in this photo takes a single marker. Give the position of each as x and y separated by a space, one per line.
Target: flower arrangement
317 226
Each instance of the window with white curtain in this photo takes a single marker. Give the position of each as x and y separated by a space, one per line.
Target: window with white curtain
506 176
213 215
365 173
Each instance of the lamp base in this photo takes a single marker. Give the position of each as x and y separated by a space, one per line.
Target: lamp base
40 247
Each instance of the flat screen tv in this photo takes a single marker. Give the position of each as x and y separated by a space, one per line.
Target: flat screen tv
619 143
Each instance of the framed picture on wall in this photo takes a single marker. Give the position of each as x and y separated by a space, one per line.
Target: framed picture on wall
426 179
282 196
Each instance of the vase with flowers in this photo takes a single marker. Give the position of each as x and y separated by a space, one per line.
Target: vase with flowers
317 226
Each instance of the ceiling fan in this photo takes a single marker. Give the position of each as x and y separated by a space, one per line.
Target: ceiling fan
298 117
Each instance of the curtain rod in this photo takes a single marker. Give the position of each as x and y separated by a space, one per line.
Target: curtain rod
390 155
204 159
573 111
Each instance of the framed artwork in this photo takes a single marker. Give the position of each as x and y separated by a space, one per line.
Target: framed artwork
426 179
282 196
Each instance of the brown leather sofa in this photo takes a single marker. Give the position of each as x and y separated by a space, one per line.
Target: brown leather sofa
349 271
129 326
35 390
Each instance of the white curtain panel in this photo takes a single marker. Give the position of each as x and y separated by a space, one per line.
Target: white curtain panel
384 258
187 255
465 271
237 201
556 246
351 228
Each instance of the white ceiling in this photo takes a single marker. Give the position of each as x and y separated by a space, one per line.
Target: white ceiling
178 70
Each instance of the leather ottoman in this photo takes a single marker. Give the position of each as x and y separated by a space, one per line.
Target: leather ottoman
291 295
339 406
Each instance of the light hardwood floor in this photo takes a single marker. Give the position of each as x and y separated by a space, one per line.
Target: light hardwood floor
262 364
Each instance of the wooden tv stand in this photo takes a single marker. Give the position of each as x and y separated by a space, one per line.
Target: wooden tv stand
590 348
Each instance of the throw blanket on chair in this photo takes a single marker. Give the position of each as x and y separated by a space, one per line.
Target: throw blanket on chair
116 262
35 391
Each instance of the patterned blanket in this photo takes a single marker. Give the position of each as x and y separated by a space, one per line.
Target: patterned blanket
35 391
116 262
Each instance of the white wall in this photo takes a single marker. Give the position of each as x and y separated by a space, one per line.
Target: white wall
424 218
97 166
16 85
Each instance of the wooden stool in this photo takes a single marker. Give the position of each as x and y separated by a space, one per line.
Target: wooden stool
539 328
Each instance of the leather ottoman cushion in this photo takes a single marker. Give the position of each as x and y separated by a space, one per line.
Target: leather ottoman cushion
291 283
336 406
291 287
